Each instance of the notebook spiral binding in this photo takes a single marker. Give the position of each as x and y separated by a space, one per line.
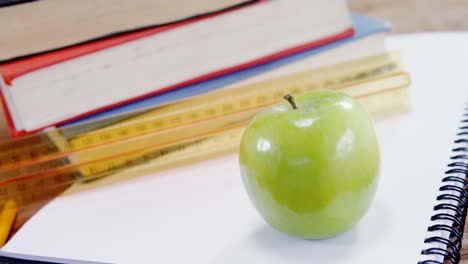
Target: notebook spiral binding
450 212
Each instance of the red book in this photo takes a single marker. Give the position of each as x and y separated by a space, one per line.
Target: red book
61 86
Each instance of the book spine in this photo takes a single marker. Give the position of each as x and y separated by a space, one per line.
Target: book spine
446 232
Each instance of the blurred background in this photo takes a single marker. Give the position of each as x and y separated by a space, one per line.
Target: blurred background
409 16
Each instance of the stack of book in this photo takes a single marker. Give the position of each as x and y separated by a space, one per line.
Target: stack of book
70 68
115 87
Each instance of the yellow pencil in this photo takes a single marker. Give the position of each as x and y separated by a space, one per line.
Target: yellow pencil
7 219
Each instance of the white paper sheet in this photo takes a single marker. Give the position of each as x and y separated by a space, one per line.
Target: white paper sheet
201 213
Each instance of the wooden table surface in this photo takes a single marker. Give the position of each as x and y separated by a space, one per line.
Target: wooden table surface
410 16
464 250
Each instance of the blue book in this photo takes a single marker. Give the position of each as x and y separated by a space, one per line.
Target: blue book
364 27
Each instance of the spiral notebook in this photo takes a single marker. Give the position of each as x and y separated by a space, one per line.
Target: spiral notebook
201 213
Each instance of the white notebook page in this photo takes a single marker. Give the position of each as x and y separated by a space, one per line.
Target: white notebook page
201 213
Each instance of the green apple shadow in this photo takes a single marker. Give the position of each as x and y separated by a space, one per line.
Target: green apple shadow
297 250
267 245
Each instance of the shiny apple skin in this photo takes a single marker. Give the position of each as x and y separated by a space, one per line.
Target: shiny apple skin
311 172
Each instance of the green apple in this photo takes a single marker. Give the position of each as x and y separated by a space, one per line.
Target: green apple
311 165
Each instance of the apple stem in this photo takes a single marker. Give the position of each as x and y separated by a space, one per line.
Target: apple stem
290 99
